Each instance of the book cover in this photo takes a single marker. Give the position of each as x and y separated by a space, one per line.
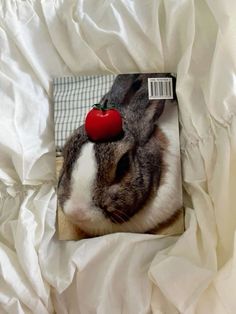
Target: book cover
117 155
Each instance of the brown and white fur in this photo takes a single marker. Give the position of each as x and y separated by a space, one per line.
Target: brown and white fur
129 184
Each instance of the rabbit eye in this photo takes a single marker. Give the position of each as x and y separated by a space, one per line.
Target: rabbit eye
122 167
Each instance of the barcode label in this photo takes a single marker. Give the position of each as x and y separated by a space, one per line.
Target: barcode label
160 88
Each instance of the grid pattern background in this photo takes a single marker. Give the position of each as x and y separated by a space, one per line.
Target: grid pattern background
73 98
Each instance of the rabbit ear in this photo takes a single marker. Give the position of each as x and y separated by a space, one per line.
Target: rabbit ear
121 87
154 111
141 125
130 93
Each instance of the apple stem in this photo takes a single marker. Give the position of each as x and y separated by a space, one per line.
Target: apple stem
104 106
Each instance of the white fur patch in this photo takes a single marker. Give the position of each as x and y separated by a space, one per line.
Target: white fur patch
82 179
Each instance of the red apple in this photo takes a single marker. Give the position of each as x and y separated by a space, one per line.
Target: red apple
103 124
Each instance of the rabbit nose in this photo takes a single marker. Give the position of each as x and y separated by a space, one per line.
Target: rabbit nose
104 207
110 209
108 206
107 209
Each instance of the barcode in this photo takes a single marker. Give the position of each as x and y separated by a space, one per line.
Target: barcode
160 88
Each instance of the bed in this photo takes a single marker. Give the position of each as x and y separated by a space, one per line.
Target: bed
119 273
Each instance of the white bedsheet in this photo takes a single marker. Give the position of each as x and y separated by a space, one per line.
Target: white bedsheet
119 273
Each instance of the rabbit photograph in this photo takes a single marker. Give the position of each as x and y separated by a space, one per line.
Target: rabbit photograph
119 161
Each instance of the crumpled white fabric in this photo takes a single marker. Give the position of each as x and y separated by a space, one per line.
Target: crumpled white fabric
119 273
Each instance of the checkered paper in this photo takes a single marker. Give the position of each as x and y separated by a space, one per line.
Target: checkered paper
73 98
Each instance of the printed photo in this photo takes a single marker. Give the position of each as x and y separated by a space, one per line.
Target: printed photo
117 155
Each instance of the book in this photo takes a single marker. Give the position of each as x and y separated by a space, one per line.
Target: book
117 155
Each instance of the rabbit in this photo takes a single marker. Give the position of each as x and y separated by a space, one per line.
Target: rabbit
127 184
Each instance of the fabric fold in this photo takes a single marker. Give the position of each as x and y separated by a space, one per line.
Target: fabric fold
129 273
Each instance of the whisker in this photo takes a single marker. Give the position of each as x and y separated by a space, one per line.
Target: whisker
129 218
116 215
